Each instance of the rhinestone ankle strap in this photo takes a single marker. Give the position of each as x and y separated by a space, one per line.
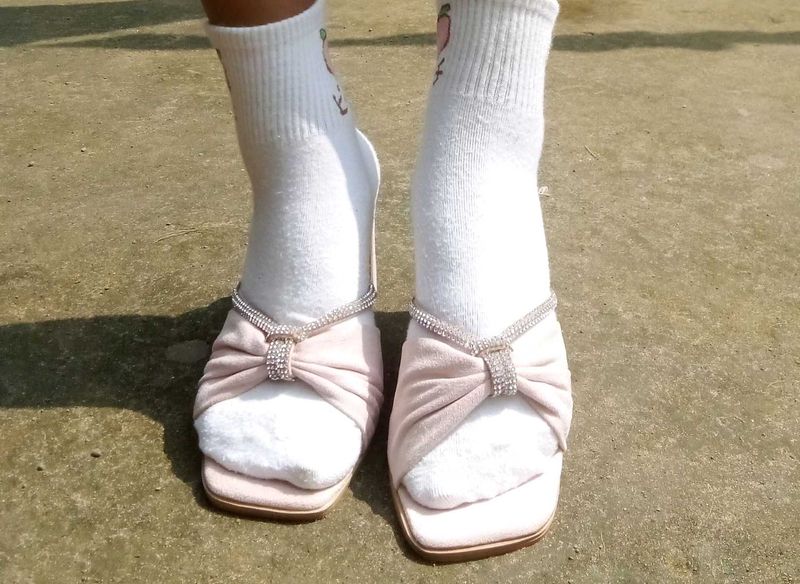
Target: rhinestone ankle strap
281 338
496 350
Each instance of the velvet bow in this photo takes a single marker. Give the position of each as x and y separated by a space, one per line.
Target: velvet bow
342 364
439 385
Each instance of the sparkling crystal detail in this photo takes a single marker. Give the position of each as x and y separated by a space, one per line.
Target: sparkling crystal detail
501 370
495 351
278 358
282 338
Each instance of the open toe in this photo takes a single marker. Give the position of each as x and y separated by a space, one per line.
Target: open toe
442 379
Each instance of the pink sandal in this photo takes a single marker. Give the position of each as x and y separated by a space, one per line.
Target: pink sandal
336 355
441 381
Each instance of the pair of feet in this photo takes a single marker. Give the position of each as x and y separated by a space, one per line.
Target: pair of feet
445 428
481 262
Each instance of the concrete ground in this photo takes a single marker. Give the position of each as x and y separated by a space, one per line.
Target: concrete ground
672 163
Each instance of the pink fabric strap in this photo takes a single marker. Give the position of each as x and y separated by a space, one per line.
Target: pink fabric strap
342 363
439 385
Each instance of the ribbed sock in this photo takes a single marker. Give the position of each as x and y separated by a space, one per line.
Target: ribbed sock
309 245
481 255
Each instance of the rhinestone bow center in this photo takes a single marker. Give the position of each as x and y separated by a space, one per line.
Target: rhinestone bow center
282 338
501 368
495 351
278 357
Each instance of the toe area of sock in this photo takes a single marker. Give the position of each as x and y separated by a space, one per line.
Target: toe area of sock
501 445
283 432
523 511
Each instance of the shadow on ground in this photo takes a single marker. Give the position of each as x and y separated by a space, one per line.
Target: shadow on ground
121 362
712 40
27 24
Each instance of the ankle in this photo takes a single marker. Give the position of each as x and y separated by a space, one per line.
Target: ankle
309 248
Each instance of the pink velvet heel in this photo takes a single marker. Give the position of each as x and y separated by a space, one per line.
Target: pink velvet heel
338 356
444 378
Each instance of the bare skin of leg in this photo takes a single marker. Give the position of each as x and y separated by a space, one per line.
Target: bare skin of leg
252 12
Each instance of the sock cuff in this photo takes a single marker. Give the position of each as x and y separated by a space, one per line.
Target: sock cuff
280 78
547 8
274 34
494 50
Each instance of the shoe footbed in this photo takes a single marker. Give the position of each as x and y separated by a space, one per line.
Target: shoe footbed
267 498
509 521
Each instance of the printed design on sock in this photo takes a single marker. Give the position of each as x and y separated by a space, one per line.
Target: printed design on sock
338 97
442 37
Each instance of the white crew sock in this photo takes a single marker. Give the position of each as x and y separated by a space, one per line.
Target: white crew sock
309 247
481 255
